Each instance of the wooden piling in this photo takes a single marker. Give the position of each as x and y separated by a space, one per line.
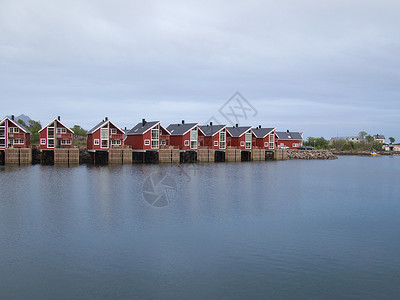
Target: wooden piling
25 156
115 156
12 156
127 156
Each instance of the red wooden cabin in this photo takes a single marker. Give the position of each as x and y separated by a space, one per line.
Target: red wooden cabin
212 136
184 135
56 135
104 136
147 136
264 138
291 140
240 137
13 134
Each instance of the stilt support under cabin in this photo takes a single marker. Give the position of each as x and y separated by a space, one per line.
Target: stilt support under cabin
17 156
66 156
126 156
168 155
188 156
2 157
233 154
257 154
205 155
280 154
269 155
115 156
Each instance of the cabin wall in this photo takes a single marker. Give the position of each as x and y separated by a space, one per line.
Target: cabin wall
289 143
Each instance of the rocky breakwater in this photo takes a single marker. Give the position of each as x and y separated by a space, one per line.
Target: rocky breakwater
310 154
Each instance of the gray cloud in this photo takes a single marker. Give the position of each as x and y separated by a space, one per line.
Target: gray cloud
325 68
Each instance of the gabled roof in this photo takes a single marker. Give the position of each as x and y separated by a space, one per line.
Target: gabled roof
211 130
379 136
101 124
16 124
237 131
284 135
56 119
142 129
180 129
262 132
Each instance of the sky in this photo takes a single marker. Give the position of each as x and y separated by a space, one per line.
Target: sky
325 68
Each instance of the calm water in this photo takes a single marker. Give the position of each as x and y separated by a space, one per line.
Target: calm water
278 230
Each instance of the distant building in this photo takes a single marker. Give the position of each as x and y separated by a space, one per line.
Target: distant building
264 138
104 136
290 139
147 136
13 134
379 138
56 135
354 139
213 136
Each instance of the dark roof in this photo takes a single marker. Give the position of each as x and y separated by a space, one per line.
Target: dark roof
97 126
18 124
379 136
237 131
262 132
141 129
284 135
180 129
210 130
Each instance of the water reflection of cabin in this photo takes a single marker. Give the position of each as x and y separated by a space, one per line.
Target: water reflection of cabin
13 134
104 136
212 136
56 135
147 136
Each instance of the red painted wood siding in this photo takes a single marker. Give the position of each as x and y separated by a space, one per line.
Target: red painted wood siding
137 141
179 140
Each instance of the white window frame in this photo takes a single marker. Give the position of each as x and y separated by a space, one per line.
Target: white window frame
103 138
163 142
248 139
155 137
61 130
271 141
241 144
42 141
116 142
147 142
13 130
193 138
266 144
50 139
222 139
18 141
113 131
96 142
187 143
295 145
215 143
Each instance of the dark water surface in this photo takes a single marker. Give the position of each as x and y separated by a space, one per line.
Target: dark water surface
277 230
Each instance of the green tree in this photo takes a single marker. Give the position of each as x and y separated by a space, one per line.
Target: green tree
34 127
370 139
362 135
79 131
22 123
392 140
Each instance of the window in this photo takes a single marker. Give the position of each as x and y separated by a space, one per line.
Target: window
69 142
18 141
242 144
146 142
104 137
50 143
216 143
222 139
65 142
271 141
97 142
193 138
295 145
104 143
42 141
115 142
113 131
2 132
187 143
61 130
50 132
2 142
154 137
13 129
248 139
266 144
163 142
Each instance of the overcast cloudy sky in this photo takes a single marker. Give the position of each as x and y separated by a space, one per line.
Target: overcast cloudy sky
326 68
